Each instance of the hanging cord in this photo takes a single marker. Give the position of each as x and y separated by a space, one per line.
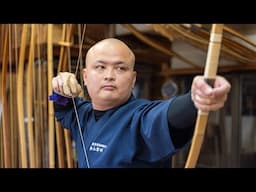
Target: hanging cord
73 100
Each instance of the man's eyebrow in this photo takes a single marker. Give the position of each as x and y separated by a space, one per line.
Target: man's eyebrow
120 62
116 63
100 61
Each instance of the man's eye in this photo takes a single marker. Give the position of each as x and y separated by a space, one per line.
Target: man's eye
100 67
121 68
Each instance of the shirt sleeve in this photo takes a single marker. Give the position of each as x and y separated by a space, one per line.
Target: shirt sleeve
166 127
155 143
181 119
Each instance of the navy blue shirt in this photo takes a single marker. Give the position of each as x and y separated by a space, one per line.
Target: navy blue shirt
139 133
135 134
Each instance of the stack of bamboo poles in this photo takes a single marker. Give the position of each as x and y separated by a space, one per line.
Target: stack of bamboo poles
29 135
235 46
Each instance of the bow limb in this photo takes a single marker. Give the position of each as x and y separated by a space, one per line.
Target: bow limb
73 100
67 136
58 129
20 105
209 75
6 128
50 104
65 43
29 99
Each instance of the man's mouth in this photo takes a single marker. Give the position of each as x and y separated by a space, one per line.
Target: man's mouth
108 87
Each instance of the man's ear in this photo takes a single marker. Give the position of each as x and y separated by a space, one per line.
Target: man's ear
85 76
134 79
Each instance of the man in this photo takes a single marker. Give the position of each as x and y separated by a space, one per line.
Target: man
117 130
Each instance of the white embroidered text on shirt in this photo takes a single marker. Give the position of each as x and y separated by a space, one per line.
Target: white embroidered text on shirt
97 147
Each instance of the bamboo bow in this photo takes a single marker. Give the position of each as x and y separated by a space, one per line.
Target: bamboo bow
6 132
20 105
209 75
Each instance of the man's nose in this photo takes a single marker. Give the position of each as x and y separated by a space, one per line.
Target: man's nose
109 75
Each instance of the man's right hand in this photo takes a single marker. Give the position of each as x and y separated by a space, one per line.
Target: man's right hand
66 84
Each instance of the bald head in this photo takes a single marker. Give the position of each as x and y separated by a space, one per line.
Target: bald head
109 74
111 47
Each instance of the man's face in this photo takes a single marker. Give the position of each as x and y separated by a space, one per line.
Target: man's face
109 76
